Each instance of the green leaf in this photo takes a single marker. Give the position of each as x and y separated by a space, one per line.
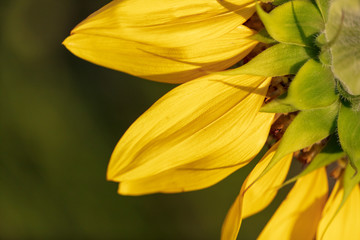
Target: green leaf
313 87
278 60
331 152
349 134
294 22
309 127
345 15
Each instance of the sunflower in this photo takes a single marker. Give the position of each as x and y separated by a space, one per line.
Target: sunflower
300 96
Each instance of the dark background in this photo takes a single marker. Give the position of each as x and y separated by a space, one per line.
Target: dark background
60 119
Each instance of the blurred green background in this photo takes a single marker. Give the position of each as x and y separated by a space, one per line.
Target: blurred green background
60 119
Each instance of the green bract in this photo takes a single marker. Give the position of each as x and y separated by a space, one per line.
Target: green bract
264 37
295 22
349 132
280 59
309 127
351 178
323 6
331 152
313 87
279 105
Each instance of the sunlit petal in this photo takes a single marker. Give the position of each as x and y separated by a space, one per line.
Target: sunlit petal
206 171
299 214
203 120
257 196
175 65
346 223
167 23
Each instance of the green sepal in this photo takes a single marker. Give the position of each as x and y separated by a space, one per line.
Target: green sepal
313 87
278 60
278 105
331 152
343 30
264 37
294 22
349 134
309 127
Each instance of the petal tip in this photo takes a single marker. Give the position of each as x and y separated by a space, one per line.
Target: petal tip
67 42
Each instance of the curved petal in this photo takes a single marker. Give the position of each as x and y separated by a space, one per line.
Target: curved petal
202 119
264 190
175 65
345 224
299 214
167 23
254 197
206 171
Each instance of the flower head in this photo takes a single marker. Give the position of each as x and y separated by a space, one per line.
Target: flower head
295 94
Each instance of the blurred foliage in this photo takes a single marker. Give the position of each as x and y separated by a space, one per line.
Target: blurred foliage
60 119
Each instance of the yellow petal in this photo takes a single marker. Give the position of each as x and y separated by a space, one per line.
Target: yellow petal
175 65
346 223
263 191
167 23
202 119
299 214
232 223
257 196
201 173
